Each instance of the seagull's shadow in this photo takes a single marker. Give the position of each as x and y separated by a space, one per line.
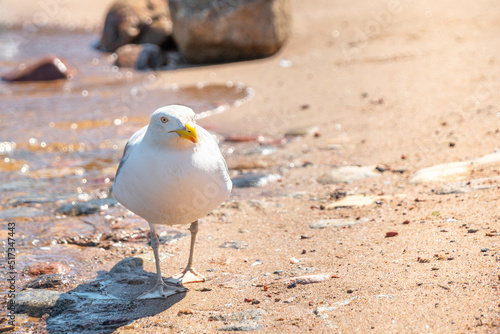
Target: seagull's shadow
110 301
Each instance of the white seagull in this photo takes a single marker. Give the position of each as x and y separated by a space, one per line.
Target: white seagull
172 172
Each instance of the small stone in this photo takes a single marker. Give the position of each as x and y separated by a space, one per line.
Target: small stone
309 279
300 132
391 234
48 268
86 208
241 327
472 230
140 56
248 180
48 68
348 174
278 272
484 250
126 265
235 244
324 223
240 138
185 312
36 303
242 163
351 290
454 171
47 281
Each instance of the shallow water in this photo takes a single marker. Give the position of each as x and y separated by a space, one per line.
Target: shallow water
61 141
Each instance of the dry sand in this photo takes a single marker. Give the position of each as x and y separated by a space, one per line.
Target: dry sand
407 84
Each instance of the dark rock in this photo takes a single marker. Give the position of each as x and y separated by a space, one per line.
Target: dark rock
47 281
138 22
86 208
36 303
126 265
140 56
247 180
214 31
52 267
48 68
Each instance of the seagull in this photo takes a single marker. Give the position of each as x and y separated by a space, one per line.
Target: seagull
172 172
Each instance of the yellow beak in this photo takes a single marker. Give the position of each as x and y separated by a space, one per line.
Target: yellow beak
189 133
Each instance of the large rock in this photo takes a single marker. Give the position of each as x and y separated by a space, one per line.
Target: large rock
138 22
213 31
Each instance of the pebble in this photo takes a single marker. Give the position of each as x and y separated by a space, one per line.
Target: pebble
140 56
322 310
235 244
247 180
242 163
48 68
391 234
241 327
36 303
242 321
308 279
454 171
52 267
303 131
127 265
263 150
361 200
324 223
47 281
484 250
240 138
348 174
86 208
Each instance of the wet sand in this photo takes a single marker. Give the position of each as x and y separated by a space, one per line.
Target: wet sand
402 84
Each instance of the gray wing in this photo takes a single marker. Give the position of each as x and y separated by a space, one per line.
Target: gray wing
134 140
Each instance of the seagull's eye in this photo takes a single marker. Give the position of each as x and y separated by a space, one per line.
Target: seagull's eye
164 119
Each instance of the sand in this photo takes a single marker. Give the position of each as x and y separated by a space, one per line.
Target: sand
405 84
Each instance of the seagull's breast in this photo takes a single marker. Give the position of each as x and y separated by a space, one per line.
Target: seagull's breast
173 186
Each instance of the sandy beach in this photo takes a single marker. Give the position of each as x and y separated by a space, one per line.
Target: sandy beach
396 85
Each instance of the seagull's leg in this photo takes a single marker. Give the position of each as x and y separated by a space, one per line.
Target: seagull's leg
189 275
160 290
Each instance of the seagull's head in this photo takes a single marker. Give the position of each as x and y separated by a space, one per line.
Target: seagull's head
174 126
